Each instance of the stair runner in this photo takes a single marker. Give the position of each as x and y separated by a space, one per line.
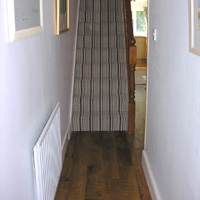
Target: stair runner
100 100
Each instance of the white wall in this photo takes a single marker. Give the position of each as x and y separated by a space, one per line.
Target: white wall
173 104
35 73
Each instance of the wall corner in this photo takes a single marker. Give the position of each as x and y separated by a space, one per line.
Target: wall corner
66 141
149 177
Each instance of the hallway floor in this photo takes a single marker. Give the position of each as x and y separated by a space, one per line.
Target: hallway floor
107 165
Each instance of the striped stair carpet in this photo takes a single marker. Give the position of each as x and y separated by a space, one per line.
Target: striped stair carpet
100 100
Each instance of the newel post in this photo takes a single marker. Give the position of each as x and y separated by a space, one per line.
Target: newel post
132 63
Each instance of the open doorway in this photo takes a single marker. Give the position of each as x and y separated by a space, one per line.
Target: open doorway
140 23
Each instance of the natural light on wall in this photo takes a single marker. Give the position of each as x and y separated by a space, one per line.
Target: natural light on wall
139 17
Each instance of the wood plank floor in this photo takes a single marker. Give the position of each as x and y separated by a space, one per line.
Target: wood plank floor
103 166
106 165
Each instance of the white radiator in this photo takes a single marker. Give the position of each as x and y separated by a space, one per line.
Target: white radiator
47 158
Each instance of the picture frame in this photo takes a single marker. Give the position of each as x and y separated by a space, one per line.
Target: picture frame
62 16
195 26
25 18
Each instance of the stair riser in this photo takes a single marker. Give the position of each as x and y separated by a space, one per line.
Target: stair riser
100 56
86 87
103 122
99 5
100 42
103 104
100 29
103 17
104 71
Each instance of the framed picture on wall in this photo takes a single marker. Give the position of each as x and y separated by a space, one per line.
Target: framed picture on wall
62 19
195 26
24 18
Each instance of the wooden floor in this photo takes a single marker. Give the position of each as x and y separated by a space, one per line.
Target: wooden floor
106 165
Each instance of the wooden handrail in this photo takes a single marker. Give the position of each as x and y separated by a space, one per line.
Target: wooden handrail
131 52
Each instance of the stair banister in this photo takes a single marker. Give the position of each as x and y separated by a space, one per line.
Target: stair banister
131 62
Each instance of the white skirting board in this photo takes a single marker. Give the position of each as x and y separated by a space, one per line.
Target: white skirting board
150 178
74 62
69 130
66 141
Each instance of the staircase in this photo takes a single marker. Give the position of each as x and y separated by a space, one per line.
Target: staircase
100 100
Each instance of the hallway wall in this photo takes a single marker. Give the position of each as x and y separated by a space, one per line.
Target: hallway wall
172 153
35 73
